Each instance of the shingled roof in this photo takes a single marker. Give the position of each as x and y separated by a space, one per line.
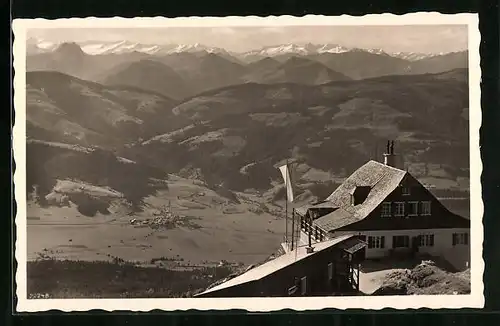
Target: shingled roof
348 243
323 204
382 180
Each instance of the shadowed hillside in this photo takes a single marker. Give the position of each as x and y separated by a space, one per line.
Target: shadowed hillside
232 138
149 75
440 63
362 64
115 177
294 70
332 128
69 59
68 109
177 75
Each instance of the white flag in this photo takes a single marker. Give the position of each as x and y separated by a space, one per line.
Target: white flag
285 172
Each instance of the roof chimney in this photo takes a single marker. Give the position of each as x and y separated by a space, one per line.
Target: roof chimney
389 156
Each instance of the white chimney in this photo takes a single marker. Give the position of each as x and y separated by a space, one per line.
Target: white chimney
389 156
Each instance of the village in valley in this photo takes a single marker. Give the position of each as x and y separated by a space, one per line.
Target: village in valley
296 163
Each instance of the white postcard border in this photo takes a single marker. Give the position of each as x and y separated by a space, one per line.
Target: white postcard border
474 300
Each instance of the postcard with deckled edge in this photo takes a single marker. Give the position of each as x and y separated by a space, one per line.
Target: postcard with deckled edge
256 163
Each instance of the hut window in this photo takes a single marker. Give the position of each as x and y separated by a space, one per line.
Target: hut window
303 285
386 210
376 242
405 190
426 240
460 239
413 206
400 241
425 208
400 209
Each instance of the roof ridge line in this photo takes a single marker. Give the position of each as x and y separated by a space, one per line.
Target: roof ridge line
380 179
391 167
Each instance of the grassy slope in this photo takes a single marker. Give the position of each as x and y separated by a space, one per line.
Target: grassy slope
78 279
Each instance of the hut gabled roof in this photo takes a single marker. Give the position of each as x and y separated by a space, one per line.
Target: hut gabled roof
380 178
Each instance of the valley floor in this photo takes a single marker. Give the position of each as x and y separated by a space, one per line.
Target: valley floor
215 229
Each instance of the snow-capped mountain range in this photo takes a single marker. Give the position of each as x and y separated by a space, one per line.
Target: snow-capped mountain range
298 49
35 46
92 47
103 47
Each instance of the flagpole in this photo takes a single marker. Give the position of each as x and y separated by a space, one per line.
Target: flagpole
293 226
286 204
297 235
293 215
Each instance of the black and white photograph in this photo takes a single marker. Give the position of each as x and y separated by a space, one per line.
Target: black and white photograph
257 161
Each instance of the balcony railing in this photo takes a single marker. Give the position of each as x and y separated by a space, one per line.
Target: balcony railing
315 231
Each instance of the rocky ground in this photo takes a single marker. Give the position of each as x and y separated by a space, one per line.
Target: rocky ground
425 278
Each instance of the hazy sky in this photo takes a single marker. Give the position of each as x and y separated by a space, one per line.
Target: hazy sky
411 38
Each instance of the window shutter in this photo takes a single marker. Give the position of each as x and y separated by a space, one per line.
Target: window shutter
466 238
382 242
393 241
454 239
431 240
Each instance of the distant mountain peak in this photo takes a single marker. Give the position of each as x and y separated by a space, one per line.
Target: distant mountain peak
70 48
94 47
